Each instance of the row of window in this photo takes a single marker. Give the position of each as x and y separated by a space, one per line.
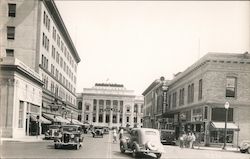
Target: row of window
56 37
45 42
46 20
107 117
58 91
55 72
172 100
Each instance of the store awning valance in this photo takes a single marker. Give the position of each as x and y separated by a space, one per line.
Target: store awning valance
44 121
221 125
56 118
33 117
74 121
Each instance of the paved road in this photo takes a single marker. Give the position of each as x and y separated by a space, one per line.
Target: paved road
103 148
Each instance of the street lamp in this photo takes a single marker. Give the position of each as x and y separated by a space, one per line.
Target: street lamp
225 132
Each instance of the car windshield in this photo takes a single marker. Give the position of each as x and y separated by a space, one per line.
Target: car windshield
69 129
150 133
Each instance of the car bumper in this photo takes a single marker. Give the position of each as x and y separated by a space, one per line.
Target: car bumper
68 143
150 151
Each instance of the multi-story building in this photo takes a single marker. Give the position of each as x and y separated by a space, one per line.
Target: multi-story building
155 100
196 98
110 105
33 32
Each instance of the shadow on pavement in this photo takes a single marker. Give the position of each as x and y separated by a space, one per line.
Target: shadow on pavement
128 154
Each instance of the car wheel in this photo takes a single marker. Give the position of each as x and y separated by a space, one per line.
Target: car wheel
242 151
134 152
158 155
248 150
122 148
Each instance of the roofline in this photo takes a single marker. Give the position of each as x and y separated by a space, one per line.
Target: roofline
151 86
59 21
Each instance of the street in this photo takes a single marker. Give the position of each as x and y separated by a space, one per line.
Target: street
104 148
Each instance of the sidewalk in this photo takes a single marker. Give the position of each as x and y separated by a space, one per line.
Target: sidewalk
229 148
24 139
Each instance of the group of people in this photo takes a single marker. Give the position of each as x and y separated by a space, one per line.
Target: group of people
115 134
187 140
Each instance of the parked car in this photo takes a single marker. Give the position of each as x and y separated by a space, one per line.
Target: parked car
98 131
69 135
142 140
52 132
106 130
245 146
167 136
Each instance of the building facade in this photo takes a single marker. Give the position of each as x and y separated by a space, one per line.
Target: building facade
110 105
155 100
196 99
34 33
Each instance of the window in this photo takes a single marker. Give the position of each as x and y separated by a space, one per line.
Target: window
87 107
93 117
114 120
231 87
10 32
190 93
100 118
127 118
135 119
87 117
200 90
20 114
135 108
174 99
12 10
128 109
10 52
181 97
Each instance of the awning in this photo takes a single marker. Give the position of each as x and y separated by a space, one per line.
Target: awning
221 125
56 118
74 121
44 121
41 119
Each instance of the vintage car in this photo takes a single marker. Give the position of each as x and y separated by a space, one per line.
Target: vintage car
106 130
245 146
70 135
167 136
97 131
142 140
52 131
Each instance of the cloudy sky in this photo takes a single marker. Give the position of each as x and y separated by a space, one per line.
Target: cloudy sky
135 42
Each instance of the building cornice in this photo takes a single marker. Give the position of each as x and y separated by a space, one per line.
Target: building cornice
22 71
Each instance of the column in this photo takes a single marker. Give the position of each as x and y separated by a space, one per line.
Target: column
104 112
111 113
97 114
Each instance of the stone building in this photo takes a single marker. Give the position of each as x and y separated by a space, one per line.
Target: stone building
34 33
110 105
196 98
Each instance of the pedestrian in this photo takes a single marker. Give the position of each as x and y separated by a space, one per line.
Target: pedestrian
189 140
192 141
121 134
114 136
181 139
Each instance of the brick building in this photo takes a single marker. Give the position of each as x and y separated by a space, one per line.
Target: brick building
196 98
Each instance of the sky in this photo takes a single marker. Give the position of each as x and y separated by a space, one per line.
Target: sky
135 42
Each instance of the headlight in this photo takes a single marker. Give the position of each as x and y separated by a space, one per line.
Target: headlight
72 135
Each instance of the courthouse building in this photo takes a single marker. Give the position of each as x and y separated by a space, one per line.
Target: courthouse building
110 105
34 34
196 98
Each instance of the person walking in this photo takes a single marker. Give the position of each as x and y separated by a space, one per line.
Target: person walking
193 138
181 139
121 134
114 136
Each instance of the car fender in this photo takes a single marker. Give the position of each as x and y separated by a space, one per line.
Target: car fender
136 146
125 144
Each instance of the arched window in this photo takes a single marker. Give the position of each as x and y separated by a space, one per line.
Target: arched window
80 105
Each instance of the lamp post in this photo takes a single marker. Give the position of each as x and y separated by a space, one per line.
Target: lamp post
225 132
